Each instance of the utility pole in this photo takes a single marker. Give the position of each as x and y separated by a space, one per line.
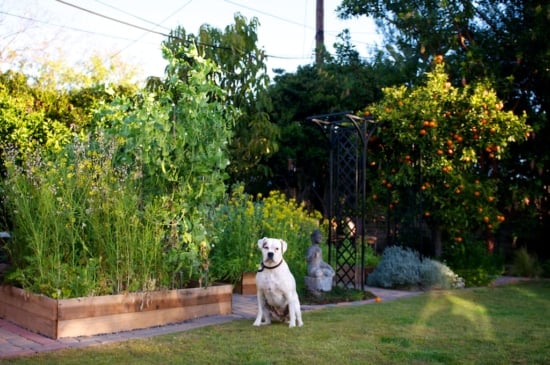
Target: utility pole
320 33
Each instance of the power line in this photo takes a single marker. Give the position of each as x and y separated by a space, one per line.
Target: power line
113 19
136 16
34 20
270 15
163 34
143 35
147 30
303 25
143 28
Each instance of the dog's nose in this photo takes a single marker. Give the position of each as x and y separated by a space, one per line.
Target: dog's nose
270 255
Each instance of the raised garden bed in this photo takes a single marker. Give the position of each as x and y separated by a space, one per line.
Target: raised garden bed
247 284
111 313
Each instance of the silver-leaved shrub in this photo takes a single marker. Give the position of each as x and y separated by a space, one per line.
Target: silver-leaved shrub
402 267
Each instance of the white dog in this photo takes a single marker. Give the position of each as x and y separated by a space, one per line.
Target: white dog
276 286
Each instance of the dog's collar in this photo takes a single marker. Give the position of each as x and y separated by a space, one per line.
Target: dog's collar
263 266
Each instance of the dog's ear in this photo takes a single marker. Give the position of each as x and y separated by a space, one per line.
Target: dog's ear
261 242
283 246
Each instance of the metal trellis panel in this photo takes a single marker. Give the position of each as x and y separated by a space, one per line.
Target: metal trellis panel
348 136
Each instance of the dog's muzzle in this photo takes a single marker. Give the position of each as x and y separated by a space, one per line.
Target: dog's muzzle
270 256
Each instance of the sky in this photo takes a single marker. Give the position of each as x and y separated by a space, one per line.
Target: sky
74 30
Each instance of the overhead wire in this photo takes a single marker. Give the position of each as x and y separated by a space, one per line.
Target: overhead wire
268 14
145 33
153 31
304 24
334 33
34 20
111 18
161 33
139 17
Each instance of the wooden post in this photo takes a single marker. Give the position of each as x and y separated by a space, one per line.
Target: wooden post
320 33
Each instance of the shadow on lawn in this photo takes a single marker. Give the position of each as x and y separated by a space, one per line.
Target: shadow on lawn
338 294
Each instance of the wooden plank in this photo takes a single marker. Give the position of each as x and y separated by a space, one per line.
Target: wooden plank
31 321
36 313
141 302
249 289
249 279
112 313
31 303
247 284
137 320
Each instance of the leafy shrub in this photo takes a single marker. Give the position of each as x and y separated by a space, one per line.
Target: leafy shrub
524 264
235 231
437 275
287 219
398 268
402 267
473 263
23 115
545 267
126 210
238 225
371 258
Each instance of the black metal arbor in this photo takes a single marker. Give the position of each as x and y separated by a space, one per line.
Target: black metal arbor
348 137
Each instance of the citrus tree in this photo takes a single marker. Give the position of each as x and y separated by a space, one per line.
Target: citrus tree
505 41
438 149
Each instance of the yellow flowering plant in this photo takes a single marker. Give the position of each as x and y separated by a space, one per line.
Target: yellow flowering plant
239 224
290 220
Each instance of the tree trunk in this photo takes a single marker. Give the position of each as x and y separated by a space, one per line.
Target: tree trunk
436 239
490 241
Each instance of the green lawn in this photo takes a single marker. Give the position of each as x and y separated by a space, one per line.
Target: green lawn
493 325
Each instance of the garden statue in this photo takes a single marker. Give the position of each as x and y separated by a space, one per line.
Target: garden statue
319 273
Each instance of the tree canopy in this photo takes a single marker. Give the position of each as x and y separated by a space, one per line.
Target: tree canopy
502 41
438 150
243 75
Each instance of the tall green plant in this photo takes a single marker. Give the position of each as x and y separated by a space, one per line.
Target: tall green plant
442 145
243 73
179 138
77 224
125 211
236 230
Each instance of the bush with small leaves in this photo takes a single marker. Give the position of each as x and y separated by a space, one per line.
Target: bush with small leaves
473 263
402 267
436 275
525 264
398 268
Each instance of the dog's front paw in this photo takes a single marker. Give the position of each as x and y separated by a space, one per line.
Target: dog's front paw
292 324
261 324
258 323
